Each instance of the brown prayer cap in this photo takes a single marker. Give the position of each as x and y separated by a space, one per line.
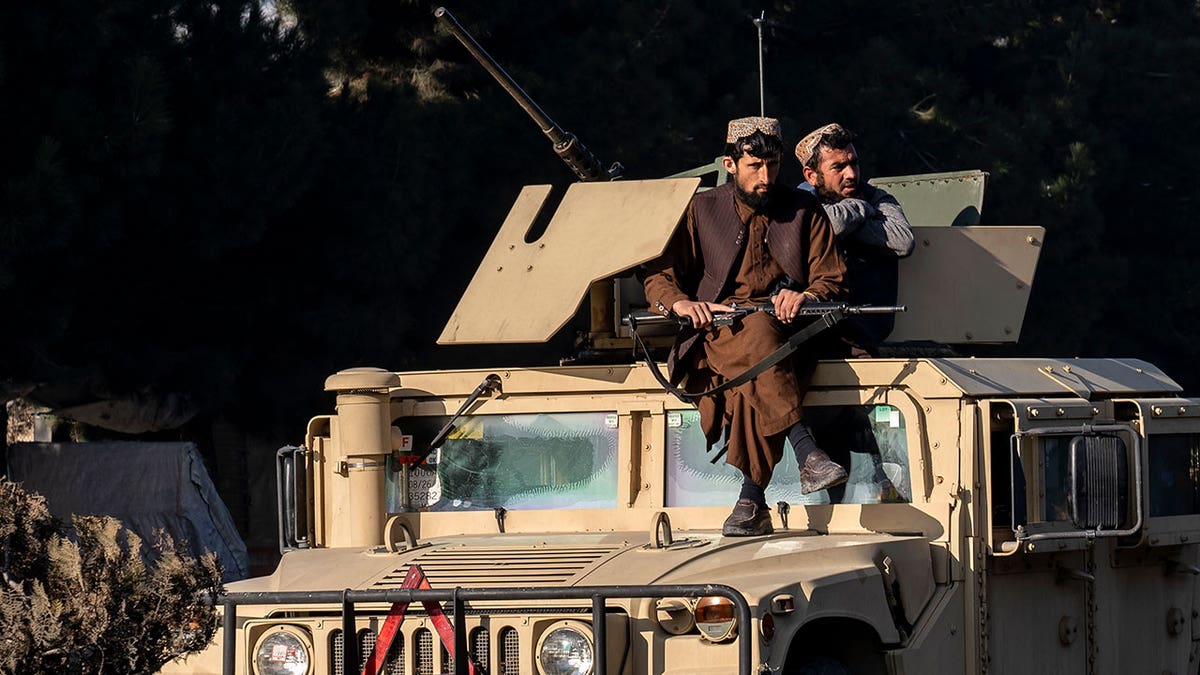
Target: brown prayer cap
808 145
745 126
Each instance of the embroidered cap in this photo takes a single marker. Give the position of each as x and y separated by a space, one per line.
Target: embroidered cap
808 145
745 126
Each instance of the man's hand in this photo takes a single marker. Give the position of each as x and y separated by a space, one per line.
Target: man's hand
701 313
787 304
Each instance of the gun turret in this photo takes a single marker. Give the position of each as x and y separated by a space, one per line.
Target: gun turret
569 148
566 145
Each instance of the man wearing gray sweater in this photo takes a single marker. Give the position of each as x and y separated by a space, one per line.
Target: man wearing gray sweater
872 231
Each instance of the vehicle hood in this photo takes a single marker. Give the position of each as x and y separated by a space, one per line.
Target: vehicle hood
799 563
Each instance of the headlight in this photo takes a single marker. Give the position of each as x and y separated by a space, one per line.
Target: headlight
566 650
715 618
282 651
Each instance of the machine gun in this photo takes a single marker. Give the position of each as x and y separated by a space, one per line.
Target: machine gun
569 148
566 145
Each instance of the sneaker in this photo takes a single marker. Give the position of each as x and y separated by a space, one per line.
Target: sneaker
819 473
749 519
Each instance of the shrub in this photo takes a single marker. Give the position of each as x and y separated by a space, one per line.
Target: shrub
87 602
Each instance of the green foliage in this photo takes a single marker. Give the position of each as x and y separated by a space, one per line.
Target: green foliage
88 603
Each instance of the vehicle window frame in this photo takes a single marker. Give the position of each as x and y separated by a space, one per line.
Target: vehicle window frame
1166 530
395 468
1033 420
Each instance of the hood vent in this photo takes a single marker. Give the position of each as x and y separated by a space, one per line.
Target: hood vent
500 566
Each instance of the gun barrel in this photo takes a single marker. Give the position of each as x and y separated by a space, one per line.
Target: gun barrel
585 165
876 309
543 121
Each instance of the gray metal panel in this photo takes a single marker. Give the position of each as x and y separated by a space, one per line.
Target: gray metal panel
953 198
967 285
1055 377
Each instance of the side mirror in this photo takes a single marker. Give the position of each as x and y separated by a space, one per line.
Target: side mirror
1076 482
291 496
1098 491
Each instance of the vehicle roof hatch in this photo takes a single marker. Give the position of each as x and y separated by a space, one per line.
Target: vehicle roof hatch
527 291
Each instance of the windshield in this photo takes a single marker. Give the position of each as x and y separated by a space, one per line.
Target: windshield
522 462
870 441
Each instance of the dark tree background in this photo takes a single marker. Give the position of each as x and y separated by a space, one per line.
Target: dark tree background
231 199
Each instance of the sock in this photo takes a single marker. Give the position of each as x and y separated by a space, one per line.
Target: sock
751 491
802 442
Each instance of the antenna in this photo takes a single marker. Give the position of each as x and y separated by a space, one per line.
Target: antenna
762 97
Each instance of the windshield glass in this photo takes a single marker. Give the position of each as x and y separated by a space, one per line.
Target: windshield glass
870 441
523 462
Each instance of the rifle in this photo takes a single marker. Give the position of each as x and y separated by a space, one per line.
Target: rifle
647 319
827 315
581 160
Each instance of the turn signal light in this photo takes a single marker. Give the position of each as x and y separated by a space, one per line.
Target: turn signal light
716 618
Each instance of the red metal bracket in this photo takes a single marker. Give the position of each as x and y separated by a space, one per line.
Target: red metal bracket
414 578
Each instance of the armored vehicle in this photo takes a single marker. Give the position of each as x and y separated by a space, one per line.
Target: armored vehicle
1003 515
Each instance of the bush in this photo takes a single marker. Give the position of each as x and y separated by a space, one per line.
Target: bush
88 603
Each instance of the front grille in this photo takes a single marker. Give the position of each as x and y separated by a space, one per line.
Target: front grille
417 649
510 657
481 646
424 652
424 643
337 651
393 662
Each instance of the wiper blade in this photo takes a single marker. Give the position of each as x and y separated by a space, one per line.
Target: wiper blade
490 383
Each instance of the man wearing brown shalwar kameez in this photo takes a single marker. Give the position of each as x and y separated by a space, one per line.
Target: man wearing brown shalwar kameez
751 240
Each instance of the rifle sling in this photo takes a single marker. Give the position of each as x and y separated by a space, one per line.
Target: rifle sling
822 322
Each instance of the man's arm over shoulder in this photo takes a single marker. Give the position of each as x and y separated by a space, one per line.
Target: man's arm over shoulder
849 215
889 228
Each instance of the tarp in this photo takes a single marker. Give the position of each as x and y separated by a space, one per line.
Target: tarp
147 486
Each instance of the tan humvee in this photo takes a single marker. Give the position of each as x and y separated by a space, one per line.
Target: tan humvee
1017 515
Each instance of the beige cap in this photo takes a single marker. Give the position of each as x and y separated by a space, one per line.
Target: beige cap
745 126
808 145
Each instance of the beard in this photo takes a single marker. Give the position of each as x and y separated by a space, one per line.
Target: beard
830 196
755 200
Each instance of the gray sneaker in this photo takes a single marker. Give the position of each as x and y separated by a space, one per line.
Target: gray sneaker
749 519
819 472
